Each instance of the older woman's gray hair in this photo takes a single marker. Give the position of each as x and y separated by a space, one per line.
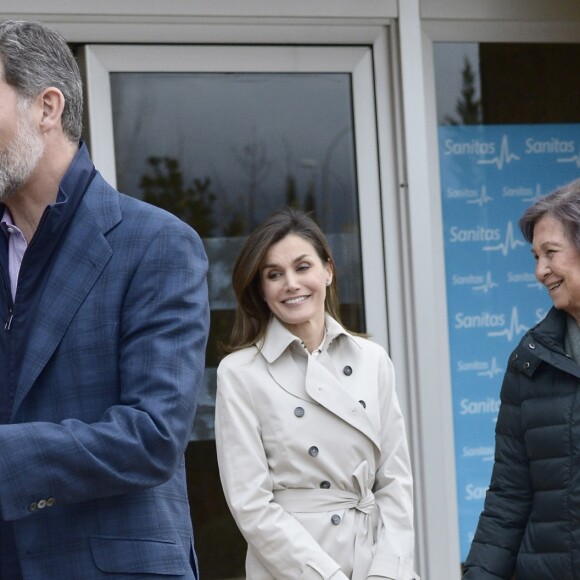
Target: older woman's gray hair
562 204
33 58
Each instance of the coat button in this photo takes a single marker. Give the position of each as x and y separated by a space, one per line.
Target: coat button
325 485
515 357
364 405
50 502
532 345
299 412
33 507
335 519
41 504
347 370
526 365
313 451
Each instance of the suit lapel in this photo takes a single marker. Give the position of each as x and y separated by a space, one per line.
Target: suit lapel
81 258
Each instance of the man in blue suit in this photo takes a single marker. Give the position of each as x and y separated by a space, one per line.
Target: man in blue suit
104 309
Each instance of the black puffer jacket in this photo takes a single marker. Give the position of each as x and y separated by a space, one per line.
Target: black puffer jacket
531 520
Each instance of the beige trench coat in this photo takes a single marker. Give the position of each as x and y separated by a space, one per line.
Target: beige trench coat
313 459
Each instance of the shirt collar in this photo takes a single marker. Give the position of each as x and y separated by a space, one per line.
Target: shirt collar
6 217
278 338
78 176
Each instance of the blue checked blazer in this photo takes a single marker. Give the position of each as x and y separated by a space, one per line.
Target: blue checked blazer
91 465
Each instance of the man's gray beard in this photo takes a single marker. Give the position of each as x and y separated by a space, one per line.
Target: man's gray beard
20 157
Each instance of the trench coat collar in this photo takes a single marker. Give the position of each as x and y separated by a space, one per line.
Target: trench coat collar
320 385
278 338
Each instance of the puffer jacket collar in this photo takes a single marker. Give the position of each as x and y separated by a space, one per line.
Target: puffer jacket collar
545 343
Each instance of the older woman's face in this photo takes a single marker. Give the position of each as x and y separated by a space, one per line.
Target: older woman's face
557 264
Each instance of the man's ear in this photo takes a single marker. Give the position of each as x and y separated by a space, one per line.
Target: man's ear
52 102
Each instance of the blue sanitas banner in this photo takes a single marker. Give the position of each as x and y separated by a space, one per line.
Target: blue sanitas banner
489 175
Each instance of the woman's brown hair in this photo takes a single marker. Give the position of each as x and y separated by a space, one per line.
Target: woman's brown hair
252 313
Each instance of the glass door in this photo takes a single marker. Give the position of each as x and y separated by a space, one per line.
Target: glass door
221 136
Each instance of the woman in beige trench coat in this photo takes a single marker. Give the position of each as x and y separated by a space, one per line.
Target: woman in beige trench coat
311 442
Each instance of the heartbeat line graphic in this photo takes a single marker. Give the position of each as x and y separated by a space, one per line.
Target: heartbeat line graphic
536 197
514 328
487 285
540 314
574 159
504 156
492 371
509 243
482 198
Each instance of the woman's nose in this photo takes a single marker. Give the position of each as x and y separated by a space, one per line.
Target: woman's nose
291 283
542 269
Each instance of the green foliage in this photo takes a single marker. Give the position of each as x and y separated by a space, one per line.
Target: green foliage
165 188
468 107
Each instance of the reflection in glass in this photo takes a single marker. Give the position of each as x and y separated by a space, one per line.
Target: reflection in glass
222 151
506 83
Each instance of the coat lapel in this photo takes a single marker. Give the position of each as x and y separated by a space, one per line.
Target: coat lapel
327 390
320 385
288 376
81 258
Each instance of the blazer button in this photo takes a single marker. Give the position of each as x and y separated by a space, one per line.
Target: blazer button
313 451
299 412
364 405
33 507
347 370
50 502
41 504
325 485
335 519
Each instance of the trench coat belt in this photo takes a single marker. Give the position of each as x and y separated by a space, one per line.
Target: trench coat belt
325 500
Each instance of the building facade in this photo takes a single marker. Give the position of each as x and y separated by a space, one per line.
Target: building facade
415 130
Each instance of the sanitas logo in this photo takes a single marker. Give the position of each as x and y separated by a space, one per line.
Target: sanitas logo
504 157
483 320
482 368
461 193
478 283
513 329
522 277
478 234
473 492
469 407
553 145
473 147
476 365
483 452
